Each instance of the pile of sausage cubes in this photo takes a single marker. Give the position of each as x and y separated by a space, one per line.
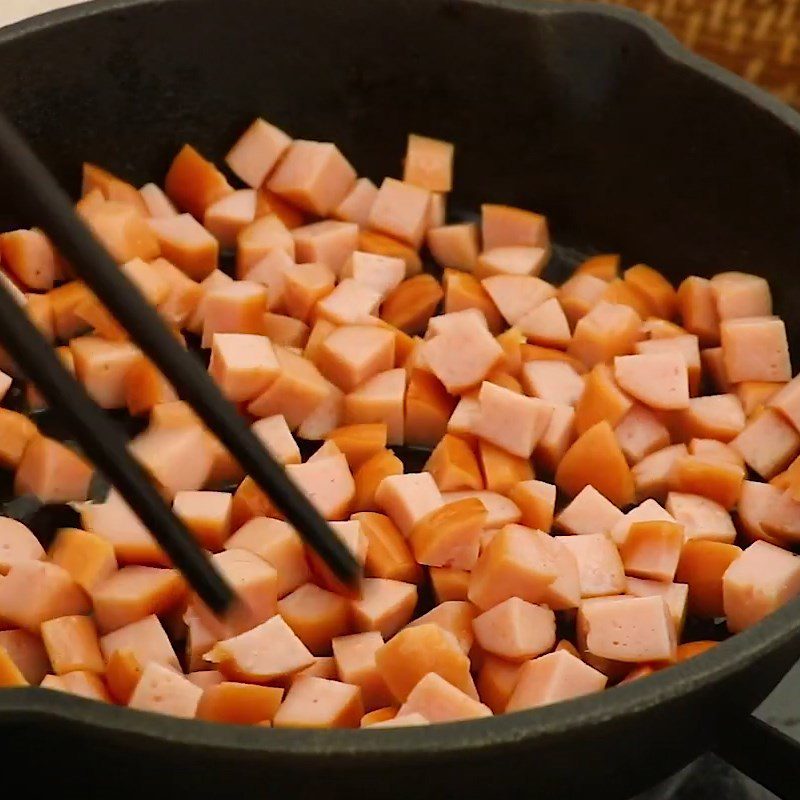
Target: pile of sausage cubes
606 456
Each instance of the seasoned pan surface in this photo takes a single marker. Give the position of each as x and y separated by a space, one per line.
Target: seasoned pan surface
594 116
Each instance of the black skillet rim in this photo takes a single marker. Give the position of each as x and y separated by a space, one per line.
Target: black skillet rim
425 743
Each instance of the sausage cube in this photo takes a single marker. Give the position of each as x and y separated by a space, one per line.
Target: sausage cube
552 678
314 176
319 703
400 210
760 581
256 152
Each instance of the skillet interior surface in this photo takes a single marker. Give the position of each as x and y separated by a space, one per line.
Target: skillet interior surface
595 117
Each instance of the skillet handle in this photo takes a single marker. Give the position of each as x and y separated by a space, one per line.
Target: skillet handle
763 753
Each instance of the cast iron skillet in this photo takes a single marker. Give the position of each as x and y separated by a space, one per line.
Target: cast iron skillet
596 117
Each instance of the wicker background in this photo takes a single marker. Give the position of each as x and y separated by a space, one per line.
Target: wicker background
758 39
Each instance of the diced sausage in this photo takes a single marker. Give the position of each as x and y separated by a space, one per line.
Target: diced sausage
496 680
686 345
655 288
503 226
463 291
738 294
755 349
717 416
516 630
652 549
602 399
16 431
651 475
463 354
357 203
355 665
297 391
499 408
157 202
702 518
713 450
455 246
429 163
408 498
596 459
552 678
229 215
433 699
102 368
659 380
767 443
501 469
380 398
72 644
453 465
622 293
52 472
242 364
449 584
641 432
381 274
501 510
580 294
675 596
553 381
147 641
418 650
701 567
256 152
546 325
30 257
274 434
630 629
719 481
177 458
194 183
536 501
516 296
163 691
114 522
239 703
319 703
511 261
516 563
184 242
133 593
17 544
268 651
608 330
316 616
353 353
330 242
400 210
698 310
313 175
600 568
410 305
588 513
760 581
449 536
256 241
27 652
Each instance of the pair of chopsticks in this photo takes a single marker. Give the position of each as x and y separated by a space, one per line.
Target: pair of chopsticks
36 194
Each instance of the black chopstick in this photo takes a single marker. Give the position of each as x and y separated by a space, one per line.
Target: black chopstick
35 191
107 448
